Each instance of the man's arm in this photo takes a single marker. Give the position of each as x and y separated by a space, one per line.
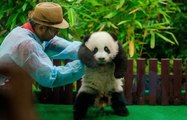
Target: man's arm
39 66
59 48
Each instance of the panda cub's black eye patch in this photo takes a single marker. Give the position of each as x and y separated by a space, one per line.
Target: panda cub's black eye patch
106 49
95 50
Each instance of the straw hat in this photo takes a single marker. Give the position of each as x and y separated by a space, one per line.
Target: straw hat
49 14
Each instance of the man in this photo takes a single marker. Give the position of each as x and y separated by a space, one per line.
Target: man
32 45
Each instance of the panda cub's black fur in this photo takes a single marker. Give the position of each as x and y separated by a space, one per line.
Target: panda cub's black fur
105 65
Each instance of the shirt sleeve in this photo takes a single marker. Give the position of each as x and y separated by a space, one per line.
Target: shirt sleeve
59 48
39 66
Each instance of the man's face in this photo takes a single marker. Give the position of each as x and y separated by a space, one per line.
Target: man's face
46 33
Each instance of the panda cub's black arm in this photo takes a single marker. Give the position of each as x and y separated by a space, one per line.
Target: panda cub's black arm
120 62
86 56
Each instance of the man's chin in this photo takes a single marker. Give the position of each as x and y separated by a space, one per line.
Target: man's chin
47 39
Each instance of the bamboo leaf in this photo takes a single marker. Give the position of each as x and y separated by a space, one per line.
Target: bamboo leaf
125 44
138 23
113 25
133 11
164 38
121 3
90 25
12 20
166 16
123 22
131 48
22 18
3 32
24 6
111 15
94 2
173 36
71 16
152 42
102 27
1 16
87 16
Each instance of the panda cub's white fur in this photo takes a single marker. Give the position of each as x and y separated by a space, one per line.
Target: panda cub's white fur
96 41
102 77
105 65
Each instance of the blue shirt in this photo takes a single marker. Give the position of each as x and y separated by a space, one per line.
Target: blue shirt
34 56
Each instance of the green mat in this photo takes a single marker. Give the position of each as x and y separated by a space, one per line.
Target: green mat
137 112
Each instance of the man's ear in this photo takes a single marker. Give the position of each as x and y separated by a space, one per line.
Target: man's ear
39 28
120 62
87 56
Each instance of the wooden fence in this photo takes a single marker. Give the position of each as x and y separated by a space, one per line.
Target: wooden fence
144 85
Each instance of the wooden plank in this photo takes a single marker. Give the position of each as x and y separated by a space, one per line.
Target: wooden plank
165 81
58 92
177 80
171 88
68 94
140 81
57 62
153 77
52 95
55 95
129 82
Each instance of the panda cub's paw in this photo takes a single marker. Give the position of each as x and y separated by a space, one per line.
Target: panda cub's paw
91 64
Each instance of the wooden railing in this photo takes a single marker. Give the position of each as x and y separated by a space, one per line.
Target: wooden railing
168 87
144 85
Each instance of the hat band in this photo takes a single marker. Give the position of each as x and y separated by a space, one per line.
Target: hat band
49 23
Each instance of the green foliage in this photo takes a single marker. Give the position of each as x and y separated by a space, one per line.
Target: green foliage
141 25
13 13
179 20
137 23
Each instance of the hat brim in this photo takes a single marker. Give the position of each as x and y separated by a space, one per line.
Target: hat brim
64 24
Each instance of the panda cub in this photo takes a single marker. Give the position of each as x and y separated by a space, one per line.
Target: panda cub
105 65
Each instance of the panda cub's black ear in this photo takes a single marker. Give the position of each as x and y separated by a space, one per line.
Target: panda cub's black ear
85 55
86 38
113 36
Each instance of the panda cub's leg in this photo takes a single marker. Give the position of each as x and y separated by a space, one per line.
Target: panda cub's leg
82 103
118 104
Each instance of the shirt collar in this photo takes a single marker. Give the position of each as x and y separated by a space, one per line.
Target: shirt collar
28 26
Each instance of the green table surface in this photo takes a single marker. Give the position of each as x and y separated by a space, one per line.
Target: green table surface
137 112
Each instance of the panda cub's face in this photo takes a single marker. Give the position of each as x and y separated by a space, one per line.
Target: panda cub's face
103 46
